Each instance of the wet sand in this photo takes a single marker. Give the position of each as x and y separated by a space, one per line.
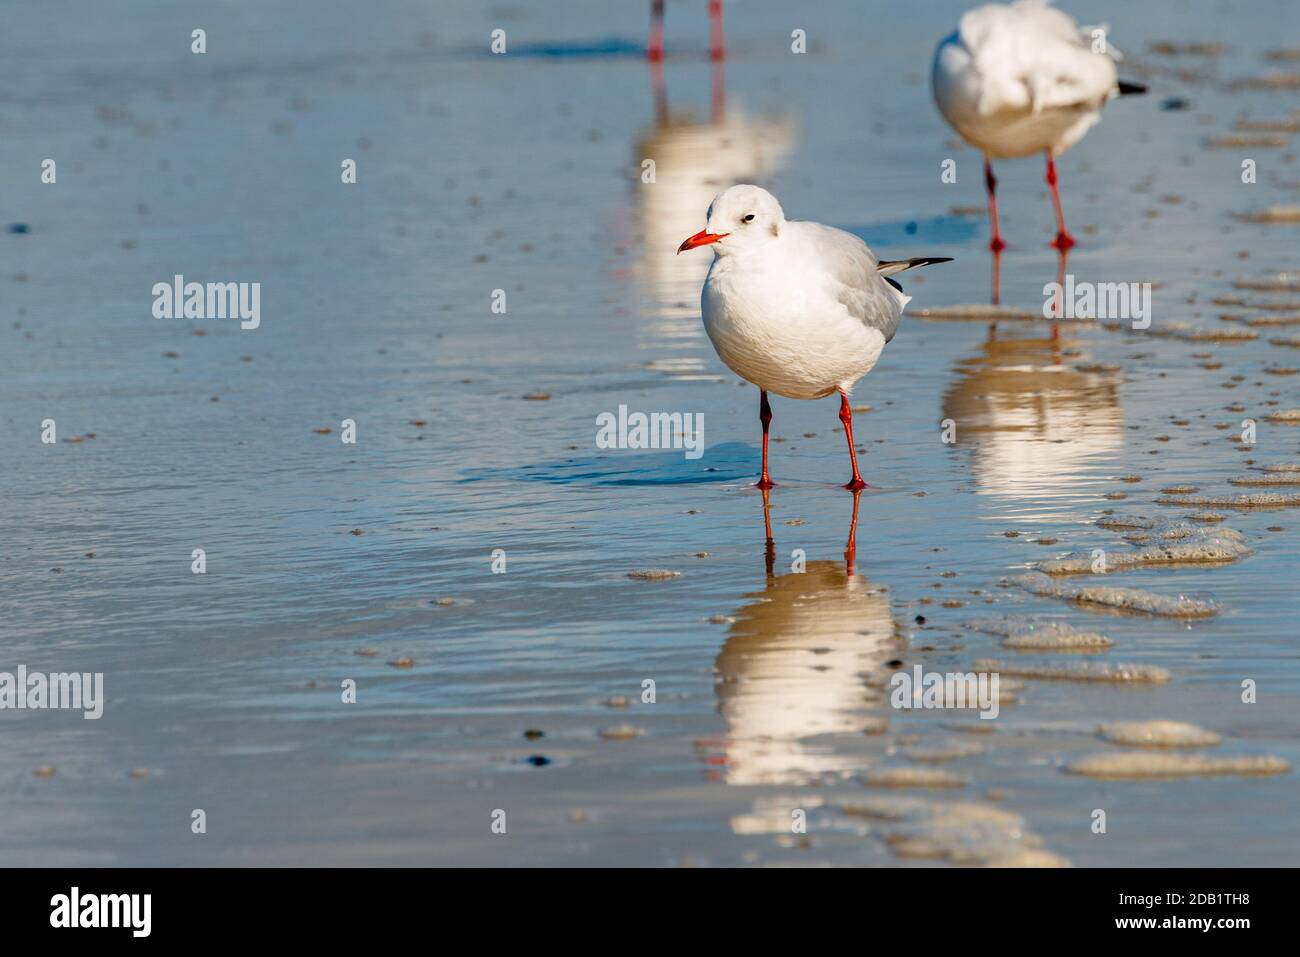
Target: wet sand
476 432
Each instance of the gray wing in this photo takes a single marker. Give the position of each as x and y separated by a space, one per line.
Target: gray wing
854 272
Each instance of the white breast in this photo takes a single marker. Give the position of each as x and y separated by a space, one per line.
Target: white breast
781 329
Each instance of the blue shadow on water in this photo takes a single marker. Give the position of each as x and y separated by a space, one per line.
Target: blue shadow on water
935 231
561 49
728 462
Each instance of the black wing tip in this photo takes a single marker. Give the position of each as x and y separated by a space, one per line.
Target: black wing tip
913 263
1129 88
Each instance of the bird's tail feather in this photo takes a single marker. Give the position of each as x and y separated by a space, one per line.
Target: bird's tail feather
1127 88
889 267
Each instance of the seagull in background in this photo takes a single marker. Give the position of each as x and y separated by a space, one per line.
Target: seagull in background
1024 78
796 308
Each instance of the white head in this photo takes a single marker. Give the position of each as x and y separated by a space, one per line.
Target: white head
739 219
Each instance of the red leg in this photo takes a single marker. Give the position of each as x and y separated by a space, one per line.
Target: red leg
997 277
769 547
655 47
717 49
765 416
1058 304
855 484
851 548
1063 240
991 184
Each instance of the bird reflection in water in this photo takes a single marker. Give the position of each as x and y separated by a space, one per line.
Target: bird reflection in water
694 159
791 676
1035 418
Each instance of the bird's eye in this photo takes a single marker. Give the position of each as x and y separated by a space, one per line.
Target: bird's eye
749 218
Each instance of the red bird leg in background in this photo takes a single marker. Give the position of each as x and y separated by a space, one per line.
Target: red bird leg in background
991 184
655 46
717 48
1063 240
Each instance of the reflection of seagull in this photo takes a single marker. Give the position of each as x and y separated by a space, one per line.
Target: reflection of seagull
1034 422
793 667
693 159
1024 78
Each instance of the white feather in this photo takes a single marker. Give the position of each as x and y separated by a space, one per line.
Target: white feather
1020 78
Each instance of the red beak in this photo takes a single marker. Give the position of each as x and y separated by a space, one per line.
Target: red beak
702 238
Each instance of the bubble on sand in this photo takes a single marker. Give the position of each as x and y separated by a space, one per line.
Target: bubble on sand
1207 546
1281 467
1247 141
1273 214
912 778
960 833
1271 320
937 752
1194 48
1253 500
620 732
1267 478
1159 734
976 312
1030 633
1277 282
1105 671
1258 305
1062 637
1190 333
1130 521
1127 599
1167 530
1147 764
653 574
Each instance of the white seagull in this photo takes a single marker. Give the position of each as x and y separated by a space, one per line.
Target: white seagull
797 308
1023 78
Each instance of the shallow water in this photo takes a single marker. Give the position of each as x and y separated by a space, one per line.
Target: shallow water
521 172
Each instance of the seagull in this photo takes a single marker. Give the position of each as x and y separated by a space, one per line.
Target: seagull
1023 78
796 308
